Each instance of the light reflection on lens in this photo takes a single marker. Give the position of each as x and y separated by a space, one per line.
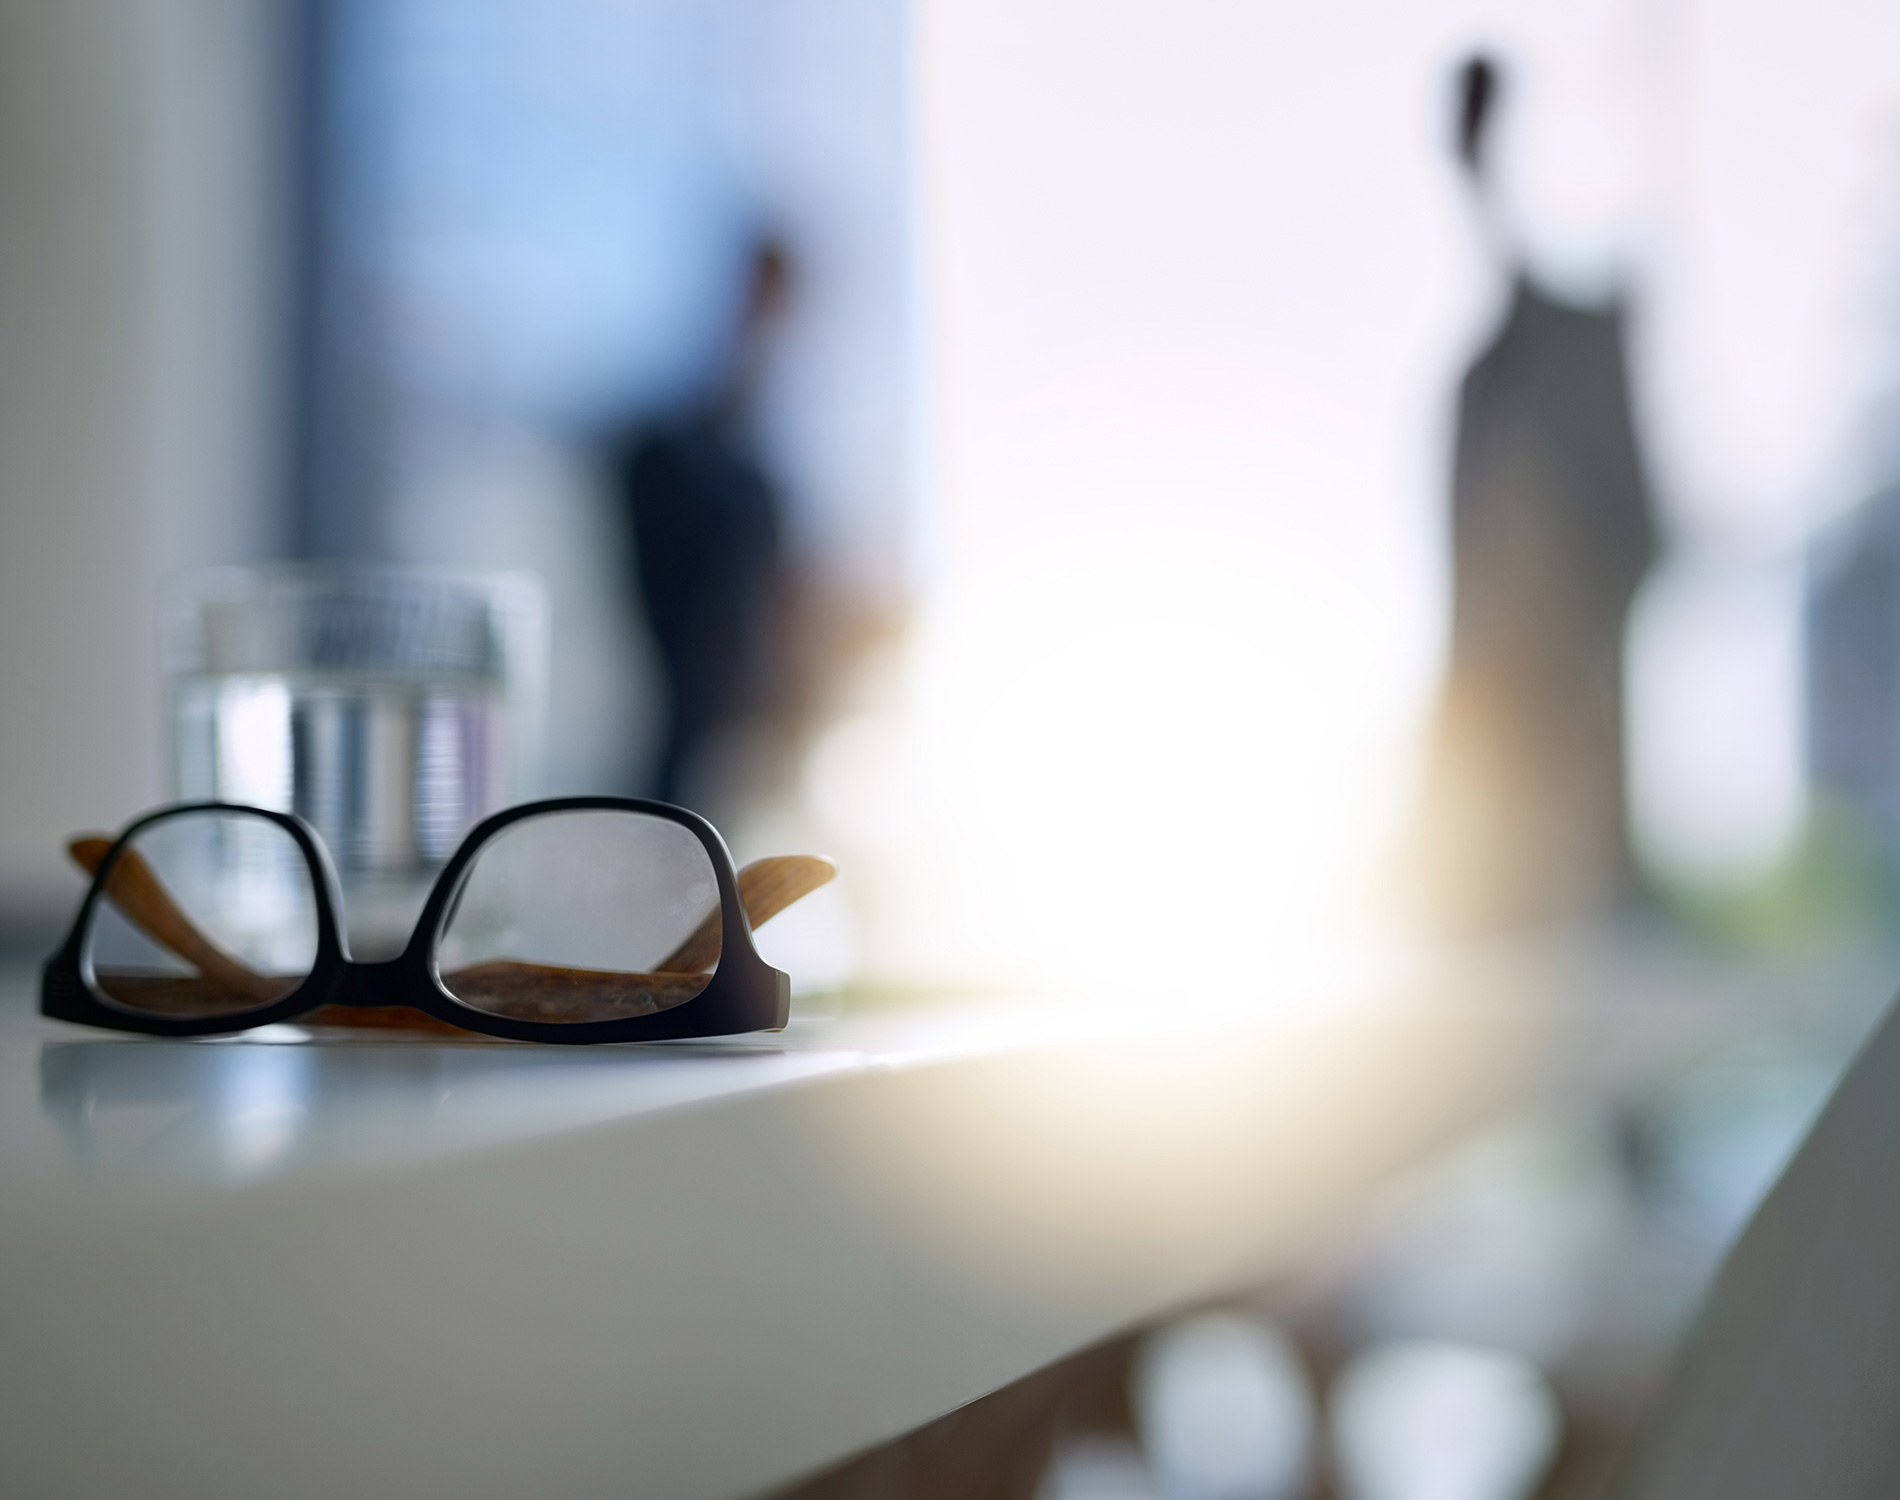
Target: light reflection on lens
204 914
593 915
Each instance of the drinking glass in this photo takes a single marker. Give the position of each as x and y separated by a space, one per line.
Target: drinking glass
392 708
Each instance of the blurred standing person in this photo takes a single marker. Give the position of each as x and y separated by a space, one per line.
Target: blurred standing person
709 551
1525 815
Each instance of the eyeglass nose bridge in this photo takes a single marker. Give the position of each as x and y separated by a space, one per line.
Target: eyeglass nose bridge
370 985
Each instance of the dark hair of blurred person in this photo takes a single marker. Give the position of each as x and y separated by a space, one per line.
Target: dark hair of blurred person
708 544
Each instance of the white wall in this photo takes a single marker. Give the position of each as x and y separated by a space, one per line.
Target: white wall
135 397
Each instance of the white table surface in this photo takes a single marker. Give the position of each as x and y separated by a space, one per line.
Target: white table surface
287 1267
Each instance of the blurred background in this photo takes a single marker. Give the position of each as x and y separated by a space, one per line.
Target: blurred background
1242 491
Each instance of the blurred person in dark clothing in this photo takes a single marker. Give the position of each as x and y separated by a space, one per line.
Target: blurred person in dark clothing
1525 815
709 551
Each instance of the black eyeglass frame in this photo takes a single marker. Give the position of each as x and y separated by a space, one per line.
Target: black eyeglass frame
744 993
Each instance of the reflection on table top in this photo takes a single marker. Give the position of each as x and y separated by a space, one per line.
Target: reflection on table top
166 1119
93 1117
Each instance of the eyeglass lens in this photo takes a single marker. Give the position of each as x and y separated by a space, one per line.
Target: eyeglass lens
204 914
570 917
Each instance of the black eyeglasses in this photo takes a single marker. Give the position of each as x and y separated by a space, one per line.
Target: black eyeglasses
579 919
